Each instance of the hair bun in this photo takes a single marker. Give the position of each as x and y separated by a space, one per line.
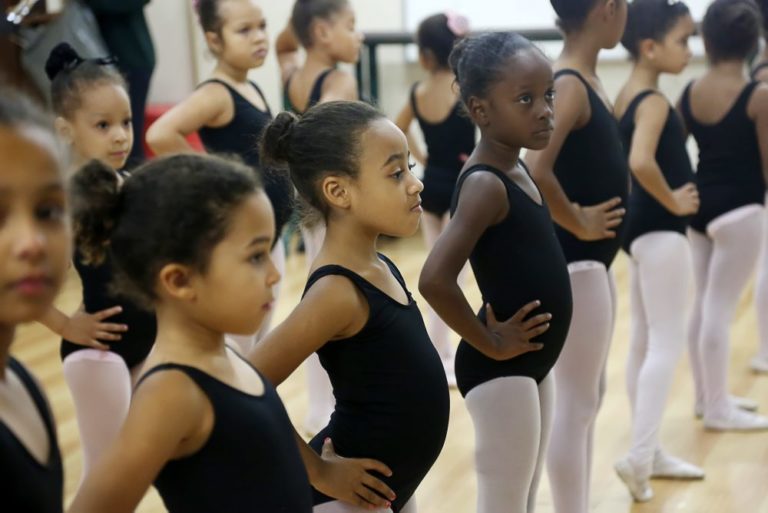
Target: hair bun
278 137
96 205
567 9
62 57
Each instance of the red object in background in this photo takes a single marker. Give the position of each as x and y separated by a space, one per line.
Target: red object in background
155 111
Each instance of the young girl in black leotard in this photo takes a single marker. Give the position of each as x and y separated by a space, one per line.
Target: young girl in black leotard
351 164
760 362
190 235
663 196
34 250
107 339
450 138
326 30
727 114
584 176
502 225
228 110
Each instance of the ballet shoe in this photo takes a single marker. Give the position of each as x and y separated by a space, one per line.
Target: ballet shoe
742 403
639 487
666 466
759 364
737 420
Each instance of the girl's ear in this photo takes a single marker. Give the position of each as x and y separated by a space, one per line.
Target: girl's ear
336 191
65 129
175 281
215 42
478 110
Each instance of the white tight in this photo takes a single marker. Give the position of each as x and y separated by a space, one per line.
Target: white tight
761 292
580 385
661 276
319 390
512 418
343 507
245 342
432 226
100 384
723 261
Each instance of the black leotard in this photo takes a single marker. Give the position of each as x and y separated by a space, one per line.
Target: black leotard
757 69
250 461
314 95
26 485
240 137
729 173
517 261
646 214
391 393
449 143
592 168
137 342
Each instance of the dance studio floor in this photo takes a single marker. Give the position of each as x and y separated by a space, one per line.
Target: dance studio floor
736 464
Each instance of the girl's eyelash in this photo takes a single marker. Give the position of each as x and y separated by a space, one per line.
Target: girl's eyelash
411 165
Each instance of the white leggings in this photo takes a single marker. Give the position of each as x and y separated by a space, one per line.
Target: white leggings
439 332
723 261
100 384
343 507
319 390
761 293
661 277
512 418
580 385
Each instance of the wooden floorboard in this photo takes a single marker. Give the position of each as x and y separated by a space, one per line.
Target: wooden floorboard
736 464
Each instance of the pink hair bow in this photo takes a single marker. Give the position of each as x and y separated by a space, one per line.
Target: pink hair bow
457 23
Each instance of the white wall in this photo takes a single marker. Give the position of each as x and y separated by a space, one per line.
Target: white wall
183 61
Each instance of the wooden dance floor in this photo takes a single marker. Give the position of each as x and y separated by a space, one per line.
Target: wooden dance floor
736 464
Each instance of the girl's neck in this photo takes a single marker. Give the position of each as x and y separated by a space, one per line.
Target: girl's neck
319 59
226 71
763 56
580 52
441 74
645 76
181 337
6 338
347 239
729 68
494 153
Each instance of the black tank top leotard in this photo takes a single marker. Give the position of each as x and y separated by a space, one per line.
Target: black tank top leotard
517 261
314 95
757 69
241 137
26 485
391 393
249 463
592 168
645 213
729 174
449 144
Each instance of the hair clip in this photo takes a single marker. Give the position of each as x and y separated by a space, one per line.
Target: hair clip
458 24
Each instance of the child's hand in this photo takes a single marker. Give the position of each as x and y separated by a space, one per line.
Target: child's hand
87 329
515 334
686 200
349 480
598 221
